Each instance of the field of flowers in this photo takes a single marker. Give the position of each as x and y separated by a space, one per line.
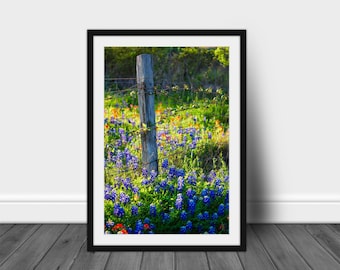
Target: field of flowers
190 193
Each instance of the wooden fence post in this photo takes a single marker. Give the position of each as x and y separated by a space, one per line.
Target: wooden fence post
146 103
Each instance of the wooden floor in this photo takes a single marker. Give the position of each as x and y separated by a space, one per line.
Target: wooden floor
50 247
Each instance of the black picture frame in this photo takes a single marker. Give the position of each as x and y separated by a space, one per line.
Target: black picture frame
240 36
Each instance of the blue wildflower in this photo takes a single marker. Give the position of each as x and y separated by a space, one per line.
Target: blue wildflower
147 221
189 225
206 215
179 201
206 199
165 217
215 216
134 210
172 171
153 175
153 210
220 210
200 216
184 215
165 164
124 198
204 192
139 227
180 172
145 172
191 206
183 229
118 210
163 184
190 193
211 230
180 183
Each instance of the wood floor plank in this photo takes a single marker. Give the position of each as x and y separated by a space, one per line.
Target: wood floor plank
124 260
191 261
335 227
14 238
329 239
63 252
4 228
282 253
31 252
90 260
308 247
255 257
224 260
158 260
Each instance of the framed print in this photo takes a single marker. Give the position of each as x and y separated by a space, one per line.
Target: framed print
166 140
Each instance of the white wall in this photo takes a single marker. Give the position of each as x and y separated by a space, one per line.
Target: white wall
293 50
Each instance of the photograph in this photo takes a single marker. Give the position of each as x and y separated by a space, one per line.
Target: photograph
166 128
166 139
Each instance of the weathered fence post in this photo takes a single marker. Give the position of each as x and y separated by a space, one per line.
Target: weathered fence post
146 103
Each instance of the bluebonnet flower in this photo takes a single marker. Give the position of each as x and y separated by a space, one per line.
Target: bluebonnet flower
172 171
217 182
165 217
182 229
107 196
145 181
109 224
206 215
127 182
165 164
153 175
180 172
209 135
200 216
118 143
153 210
184 215
227 197
220 210
190 193
204 192
211 230
119 163
189 225
227 206
163 184
179 201
124 198
192 179
215 216
118 210
220 190
157 188
145 172
120 154
134 210
226 179
135 189
147 221
191 206
206 199
211 176
139 227
152 226
180 183
212 194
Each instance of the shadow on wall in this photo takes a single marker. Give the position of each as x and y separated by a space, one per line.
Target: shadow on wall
257 171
